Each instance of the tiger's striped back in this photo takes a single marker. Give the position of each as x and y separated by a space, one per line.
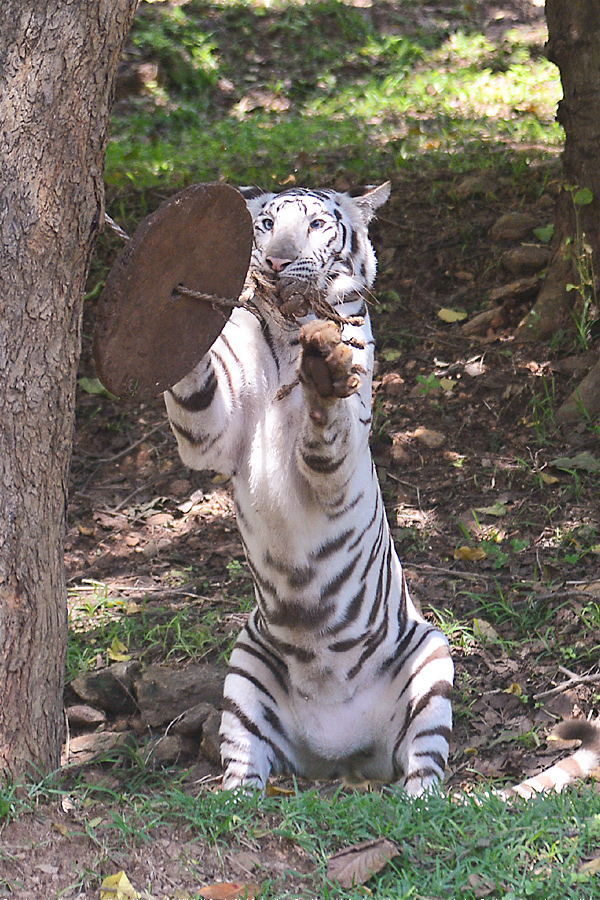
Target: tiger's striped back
336 674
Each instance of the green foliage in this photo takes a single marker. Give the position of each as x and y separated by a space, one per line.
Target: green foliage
258 93
100 622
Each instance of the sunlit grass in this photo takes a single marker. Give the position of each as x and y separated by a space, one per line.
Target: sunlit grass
259 93
465 848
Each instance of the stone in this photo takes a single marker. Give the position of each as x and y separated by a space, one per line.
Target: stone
87 747
398 450
210 746
432 439
163 693
393 384
193 719
513 226
169 749
83 716
526 260
477 183
110 688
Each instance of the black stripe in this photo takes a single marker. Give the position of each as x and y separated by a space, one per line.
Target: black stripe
202 441
349 644
273 719
404 641
270 343
371 646
347 508
421 774
435 756
200 399
330 547
441 731
264 654
251 727
333 587
227 343
368 525
402 662
247 676
297 576
323 465
268 663
225 369
351 612
295 614
302 655
440 689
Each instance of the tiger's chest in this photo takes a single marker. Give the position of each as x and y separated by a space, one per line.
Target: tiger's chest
341 736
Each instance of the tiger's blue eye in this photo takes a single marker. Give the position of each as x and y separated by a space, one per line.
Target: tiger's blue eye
268 224
316 223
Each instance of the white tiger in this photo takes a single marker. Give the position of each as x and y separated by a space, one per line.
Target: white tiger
336 674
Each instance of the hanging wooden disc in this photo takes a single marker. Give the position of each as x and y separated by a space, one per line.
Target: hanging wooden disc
147 337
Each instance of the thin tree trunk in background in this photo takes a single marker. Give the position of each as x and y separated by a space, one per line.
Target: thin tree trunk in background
58 61
574 46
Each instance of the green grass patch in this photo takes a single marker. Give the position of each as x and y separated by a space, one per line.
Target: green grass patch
448 847
261 92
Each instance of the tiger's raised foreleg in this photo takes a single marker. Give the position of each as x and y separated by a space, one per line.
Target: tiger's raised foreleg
334 438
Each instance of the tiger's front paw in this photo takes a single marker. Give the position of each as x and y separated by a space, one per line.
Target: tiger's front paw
327 363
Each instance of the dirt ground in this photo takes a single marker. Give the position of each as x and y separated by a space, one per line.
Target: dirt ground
463 440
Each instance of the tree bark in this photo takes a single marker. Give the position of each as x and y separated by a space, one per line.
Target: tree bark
58 61
574 45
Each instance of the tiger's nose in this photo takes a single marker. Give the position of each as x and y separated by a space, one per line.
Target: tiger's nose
278 263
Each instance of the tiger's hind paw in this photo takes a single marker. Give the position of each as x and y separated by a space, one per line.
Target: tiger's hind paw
327 364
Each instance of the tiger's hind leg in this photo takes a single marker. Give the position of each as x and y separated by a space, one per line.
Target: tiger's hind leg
255 725
425 713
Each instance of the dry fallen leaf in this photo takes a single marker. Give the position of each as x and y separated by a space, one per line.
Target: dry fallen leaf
447 384
118 651
451 315
480 885
469 554
498 509
118 887
273 791
592 867
229 890
485 632
549 479
355 865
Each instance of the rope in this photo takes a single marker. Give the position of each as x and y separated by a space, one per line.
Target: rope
260 297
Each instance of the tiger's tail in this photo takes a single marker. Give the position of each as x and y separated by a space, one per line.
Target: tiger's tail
573 768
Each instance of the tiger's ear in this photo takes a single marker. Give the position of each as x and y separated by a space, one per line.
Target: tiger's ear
373 199
256 198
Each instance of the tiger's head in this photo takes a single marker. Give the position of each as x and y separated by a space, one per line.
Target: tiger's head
316 237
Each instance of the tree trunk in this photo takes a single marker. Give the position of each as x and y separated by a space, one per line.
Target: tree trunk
58 60
574 45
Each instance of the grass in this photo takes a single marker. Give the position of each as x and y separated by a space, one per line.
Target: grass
449 848
104 625
264 92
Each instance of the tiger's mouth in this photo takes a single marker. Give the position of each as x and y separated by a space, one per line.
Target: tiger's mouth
292 296
296 297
